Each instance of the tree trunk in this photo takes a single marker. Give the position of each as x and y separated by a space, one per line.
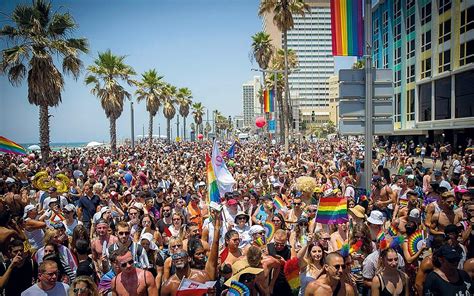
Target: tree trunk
44 133
113 135
168 131
286 100
184 128
150 130
177 125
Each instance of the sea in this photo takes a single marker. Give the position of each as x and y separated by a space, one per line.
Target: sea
58 146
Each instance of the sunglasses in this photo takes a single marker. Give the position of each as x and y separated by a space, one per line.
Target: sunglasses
124 264
339 266
124 233
297 203
80 290
176 246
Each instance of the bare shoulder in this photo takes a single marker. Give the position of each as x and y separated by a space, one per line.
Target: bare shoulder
426 264
199 275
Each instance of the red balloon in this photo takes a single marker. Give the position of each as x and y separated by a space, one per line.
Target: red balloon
200 136
260 122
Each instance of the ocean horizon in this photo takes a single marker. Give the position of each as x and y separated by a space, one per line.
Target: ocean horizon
58 145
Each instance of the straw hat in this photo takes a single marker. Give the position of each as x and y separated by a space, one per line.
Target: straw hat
358 211
239 268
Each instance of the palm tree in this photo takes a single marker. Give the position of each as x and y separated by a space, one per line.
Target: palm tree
198 112
149 90
207 129
278 59
283 11
37 34
104 75
169 110
184 101
262 49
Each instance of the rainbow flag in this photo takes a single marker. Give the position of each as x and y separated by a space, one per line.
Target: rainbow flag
212 189
269 101
279 203
8 146
347 28
332 210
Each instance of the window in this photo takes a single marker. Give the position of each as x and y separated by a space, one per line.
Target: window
398 78
466 54
410 105
385 19
426 40
426 68
443 6
376 26
385 40
385 60
376 45
397 31
411 73
398 55
444 61
467 20
410 48
424 102
464 94
410 23
397 8
444 31
426 14
443 98
398 107
410 4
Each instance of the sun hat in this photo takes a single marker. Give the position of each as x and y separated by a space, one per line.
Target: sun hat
376 217
358 211
240 214
28 209
239 268
70 208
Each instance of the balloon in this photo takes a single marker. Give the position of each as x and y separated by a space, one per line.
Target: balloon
260 122
200 136
128 178
25 160
31 156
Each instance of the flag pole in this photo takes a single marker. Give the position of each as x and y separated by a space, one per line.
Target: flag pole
368 94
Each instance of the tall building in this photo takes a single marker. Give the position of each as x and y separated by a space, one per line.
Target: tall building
250 101
429 44
333 85
311 40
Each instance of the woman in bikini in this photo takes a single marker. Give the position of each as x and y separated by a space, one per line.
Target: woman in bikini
389 280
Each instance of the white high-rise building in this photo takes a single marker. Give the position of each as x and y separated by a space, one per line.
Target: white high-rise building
250 101
311 40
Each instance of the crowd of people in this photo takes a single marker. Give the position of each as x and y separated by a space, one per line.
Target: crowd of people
139 222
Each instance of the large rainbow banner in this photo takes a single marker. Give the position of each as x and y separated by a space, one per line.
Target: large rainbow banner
8 146
347 28
269 101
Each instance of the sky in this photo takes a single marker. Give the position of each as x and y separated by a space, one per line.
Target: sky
204 45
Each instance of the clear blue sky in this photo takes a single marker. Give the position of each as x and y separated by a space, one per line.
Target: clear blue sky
203 45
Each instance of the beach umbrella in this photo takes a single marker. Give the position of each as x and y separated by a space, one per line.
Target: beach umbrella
34 147
93 144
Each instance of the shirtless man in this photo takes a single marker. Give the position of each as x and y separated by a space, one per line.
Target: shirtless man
439 215
296 211
332 283
469 267
193 231
271 266
99 255
132 280
426 265
383 196
181 262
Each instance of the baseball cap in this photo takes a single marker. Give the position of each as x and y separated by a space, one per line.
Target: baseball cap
445 184
411 177
450 253
70 208
414 215
255 229
231 202
28 209
451 228
201 183
53 200
376 217
437 173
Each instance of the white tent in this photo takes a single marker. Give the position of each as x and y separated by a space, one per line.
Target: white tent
93 144
34 147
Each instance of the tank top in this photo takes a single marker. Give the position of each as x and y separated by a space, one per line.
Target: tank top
383 288
35 237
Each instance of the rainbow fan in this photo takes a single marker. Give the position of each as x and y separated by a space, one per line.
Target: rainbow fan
292 273
238 289
344 251
269 230
356 247
415 241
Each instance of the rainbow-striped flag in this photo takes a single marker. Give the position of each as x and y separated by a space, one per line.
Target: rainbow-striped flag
332 210
279 203
347 28
8 146
212 189
269 101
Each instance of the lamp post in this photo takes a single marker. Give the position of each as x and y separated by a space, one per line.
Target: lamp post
132 127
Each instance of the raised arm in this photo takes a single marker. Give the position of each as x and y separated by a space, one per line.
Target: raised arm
211 264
